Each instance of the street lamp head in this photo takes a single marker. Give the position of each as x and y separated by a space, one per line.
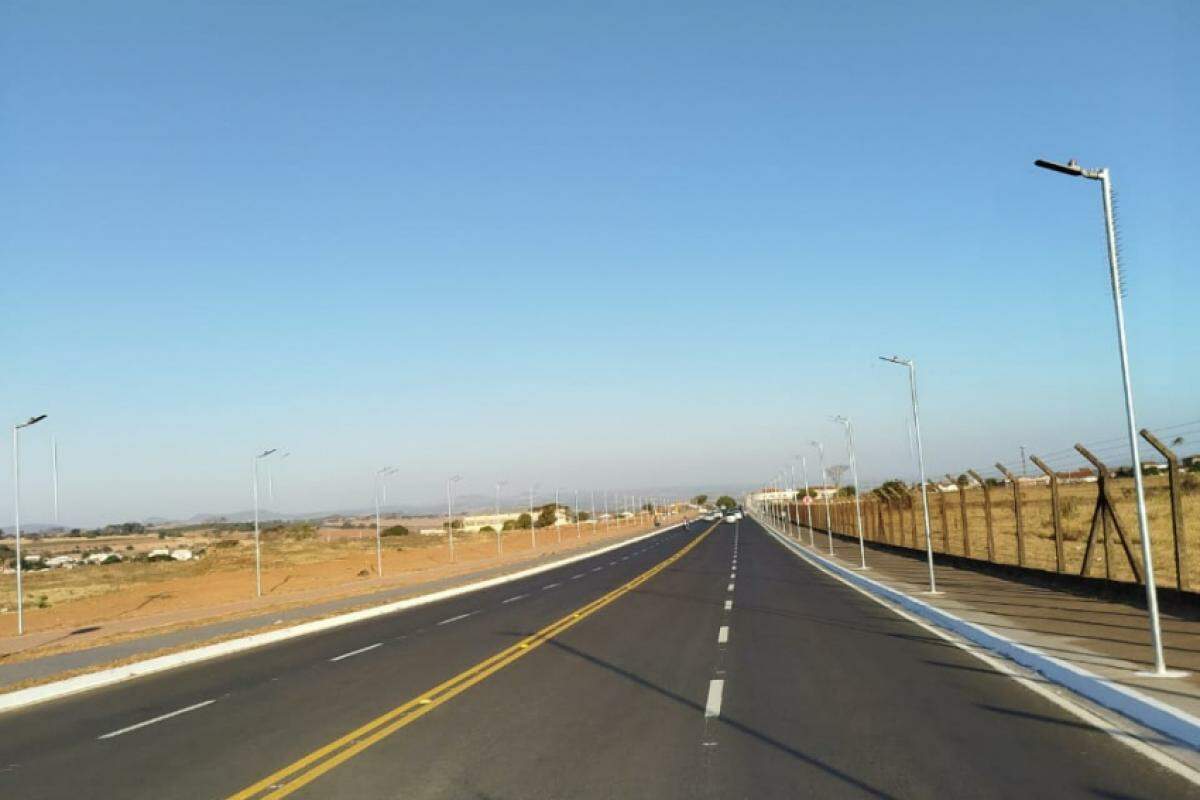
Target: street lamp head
266 453
454 478
904 362
32 421
1070 168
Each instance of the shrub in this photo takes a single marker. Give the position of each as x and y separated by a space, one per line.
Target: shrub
487 529
395 530
223 543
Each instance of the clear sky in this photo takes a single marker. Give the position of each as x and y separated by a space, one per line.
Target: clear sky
584 244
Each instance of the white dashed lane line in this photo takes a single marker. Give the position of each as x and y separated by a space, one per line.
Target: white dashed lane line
728 605
577 577
549 586
723 634
156 719
456 619
356 652
514 599
712 706
730 589
597 569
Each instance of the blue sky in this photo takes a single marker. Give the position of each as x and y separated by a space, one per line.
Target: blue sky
615 245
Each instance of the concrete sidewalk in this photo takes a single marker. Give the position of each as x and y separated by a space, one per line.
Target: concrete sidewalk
1109 638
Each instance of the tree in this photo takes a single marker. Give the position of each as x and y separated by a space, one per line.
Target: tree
700 499
523 522
846 491
725 501
547 516
395 530
487 529
583 516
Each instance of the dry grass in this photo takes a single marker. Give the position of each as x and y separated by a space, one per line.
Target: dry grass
1077 503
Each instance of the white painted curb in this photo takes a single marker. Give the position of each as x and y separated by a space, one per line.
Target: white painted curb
1165 719
94 680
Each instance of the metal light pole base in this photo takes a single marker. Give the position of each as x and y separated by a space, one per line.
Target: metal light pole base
934 593
1166 673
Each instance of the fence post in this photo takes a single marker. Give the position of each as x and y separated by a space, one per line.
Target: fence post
1177 530
962 510
1058 540
945 522
912 517
1106 510
1016 487
987 513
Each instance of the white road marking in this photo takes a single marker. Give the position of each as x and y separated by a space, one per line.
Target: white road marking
514 599
723 634
156 719
456 619
712 706
551 586
730 589
728 605
612 563
577 577
597 569
733 576
356 652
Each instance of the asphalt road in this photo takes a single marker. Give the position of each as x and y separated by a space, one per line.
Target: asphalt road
821 693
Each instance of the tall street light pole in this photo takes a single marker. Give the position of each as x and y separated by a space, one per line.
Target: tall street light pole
17 513
380 488
1114 273
812 537
825 488
862 552
54 474
257 536
916 416
532 521
453 479
499 524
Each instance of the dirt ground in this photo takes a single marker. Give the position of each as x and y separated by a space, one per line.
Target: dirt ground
295 570
1076 505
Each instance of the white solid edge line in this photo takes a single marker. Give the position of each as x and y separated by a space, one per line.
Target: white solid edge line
979 650
156 719
22 698
357 652
723 634
712 706
456 619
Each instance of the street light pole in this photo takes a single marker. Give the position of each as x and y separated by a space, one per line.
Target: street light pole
54 474
257 536
1114 274
453 479
862 552
916 415
17 514
532 521
499 524
825 487
812 536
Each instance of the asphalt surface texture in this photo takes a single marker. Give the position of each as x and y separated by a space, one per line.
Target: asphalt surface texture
735 670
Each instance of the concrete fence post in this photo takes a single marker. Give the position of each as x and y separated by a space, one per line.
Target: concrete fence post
912 517
1177 529
1016 491
987 513
945 522
1054 512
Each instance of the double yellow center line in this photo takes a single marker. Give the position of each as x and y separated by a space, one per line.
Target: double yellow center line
307 769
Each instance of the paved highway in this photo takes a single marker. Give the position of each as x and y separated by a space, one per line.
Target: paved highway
706 663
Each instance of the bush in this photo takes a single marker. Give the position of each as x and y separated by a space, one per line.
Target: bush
395 530
487 529
223 543
1191 483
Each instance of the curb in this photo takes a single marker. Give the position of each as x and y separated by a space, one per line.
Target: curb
23 698
1172 722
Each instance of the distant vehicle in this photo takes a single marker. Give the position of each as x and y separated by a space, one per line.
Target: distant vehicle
731 517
